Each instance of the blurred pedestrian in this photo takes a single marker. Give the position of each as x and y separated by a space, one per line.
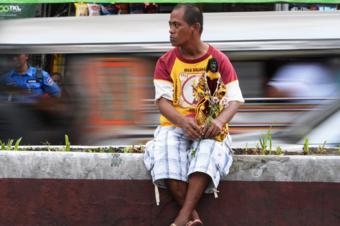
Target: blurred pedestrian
302 80
168 156
29 82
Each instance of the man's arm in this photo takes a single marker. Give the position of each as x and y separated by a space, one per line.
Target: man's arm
224 117
189 125
50 86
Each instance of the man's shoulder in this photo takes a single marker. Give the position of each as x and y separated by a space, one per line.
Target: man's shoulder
31 71
169 55
216 53
221 57
37 72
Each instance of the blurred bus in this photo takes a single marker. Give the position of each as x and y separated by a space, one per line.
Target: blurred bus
107 67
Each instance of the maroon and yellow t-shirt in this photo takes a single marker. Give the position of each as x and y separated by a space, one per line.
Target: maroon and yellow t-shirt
174 78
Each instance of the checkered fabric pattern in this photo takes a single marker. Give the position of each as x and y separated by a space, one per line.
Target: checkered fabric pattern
169 156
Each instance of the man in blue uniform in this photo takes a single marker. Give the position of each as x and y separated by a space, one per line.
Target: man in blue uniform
33 82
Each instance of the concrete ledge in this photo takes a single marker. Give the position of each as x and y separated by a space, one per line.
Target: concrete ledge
285 168
74 188
72 165
106 166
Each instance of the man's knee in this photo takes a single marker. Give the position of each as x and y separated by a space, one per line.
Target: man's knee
199 175
177 187
199 178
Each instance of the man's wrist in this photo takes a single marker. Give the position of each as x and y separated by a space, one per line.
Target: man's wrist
180 121
220 121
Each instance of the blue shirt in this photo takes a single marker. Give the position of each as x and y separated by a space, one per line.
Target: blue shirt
30 81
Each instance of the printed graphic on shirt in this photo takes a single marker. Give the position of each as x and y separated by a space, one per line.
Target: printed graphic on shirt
185 76
31 81
49 81
187 81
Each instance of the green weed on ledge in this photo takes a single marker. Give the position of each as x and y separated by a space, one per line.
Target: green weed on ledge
67 143
9 145
306 146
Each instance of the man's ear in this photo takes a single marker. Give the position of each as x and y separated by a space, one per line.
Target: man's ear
197 27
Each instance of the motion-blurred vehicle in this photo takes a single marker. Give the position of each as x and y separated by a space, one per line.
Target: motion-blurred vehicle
319 127
107 65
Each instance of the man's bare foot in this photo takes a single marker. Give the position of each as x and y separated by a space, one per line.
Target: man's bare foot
181 221
196 222
195 215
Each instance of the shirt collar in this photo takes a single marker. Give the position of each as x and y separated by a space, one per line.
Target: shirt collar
30 71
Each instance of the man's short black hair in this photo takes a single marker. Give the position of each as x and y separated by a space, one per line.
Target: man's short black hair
192 14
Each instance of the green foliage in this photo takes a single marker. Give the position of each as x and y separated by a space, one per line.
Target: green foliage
193 152
265 142
17 143
278 151
3 145
270 139
246 149
306 146
339 149
209 119
67 143
257 147
127 149
9 144
321 148
46 143
214 110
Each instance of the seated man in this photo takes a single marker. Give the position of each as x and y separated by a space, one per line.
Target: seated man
27 82
191 150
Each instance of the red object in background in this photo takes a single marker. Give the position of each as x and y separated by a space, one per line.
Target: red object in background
113 87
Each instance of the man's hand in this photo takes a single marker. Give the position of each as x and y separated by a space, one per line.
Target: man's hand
191 128
213 129
217 124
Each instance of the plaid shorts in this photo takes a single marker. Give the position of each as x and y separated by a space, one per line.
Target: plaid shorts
170 156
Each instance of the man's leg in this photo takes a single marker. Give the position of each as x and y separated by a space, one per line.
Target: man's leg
197 184
178 190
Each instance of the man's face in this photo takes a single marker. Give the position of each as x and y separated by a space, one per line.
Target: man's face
180 31
20 60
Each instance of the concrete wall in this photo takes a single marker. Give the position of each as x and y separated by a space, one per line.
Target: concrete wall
66 188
